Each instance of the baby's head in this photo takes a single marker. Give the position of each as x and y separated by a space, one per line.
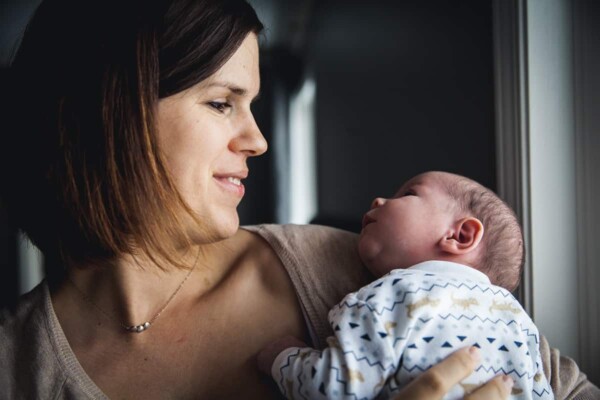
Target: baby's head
442 216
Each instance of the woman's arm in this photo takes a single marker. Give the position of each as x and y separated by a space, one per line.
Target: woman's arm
567 381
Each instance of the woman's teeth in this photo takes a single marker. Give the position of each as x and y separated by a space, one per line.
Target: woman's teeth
235 181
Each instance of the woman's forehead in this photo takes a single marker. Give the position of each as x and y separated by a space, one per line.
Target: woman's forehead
240 75
242 69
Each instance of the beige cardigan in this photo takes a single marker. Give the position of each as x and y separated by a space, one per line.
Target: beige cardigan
36 360
324 266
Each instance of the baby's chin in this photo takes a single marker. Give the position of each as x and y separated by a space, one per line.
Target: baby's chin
373 263
367 251
373 257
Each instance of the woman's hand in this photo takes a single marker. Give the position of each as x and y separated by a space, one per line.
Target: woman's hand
436 382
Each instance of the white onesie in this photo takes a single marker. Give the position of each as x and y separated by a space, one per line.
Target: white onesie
393 329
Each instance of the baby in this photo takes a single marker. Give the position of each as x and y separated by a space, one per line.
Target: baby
448 252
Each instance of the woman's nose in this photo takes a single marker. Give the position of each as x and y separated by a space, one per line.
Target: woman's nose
250 140
378 202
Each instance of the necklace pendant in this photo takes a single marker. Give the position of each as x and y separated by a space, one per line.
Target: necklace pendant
138 328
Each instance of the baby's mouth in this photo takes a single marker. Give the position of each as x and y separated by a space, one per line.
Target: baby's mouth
367 219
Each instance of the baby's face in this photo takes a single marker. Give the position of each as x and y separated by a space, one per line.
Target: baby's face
404 230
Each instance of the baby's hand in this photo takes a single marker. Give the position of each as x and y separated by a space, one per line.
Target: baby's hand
269 353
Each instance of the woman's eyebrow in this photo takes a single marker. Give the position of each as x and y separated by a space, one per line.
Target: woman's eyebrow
233 88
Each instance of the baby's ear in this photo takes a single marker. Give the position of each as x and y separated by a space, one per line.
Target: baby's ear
463 237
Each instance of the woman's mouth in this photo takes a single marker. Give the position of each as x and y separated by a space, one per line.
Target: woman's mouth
235 181
231 184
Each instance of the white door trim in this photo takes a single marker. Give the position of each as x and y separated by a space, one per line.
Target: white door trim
511 107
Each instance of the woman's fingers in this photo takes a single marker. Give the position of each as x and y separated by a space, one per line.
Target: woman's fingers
497 388
436 381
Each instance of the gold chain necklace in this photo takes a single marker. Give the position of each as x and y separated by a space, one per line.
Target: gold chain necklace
146 325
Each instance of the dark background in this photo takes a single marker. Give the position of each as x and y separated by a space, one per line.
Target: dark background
402 87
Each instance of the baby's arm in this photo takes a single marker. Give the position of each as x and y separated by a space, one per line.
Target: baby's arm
357 363
269 353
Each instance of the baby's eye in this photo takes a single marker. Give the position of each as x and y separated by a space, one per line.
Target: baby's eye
219 106
409 192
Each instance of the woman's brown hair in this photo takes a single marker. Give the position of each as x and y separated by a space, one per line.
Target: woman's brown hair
83 175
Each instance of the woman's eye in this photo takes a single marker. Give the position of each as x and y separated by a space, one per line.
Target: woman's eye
219 106
409 193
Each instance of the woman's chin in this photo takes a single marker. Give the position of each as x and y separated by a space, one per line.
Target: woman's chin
229 229
213 230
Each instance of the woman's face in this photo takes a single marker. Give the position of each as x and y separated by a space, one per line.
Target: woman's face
206 134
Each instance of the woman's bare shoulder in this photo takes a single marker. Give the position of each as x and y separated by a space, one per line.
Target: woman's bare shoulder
322 264
313 253
258 257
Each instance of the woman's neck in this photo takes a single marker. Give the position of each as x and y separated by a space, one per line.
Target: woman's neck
132 290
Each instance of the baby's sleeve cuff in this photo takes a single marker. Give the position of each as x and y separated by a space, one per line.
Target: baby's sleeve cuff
281 361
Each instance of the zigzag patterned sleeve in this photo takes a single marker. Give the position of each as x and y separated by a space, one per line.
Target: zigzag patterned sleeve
355 365
540 386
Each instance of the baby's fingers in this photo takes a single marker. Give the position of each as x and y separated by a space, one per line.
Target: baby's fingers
436 381
497 388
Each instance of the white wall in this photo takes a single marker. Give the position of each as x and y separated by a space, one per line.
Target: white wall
547 58
552 172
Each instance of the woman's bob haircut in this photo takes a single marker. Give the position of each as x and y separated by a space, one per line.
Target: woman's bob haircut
83 175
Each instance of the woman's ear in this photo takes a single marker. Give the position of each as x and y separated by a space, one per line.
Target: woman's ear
464 236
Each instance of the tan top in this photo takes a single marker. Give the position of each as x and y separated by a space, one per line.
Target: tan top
36 360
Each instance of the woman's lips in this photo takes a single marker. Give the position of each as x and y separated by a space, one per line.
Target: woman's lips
231 185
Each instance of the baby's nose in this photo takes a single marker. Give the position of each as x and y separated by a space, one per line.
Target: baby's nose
378 202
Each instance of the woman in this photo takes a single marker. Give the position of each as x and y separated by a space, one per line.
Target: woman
133 127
